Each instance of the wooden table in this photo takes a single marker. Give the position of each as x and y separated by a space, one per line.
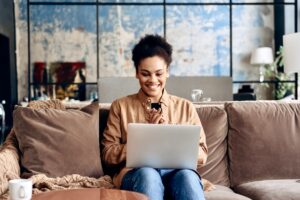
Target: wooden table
90 194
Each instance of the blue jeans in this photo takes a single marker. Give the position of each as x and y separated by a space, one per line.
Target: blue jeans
159 184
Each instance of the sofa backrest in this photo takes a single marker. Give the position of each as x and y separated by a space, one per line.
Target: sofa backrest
214 122
263 141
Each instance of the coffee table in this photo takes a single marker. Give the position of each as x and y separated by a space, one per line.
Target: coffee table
90 194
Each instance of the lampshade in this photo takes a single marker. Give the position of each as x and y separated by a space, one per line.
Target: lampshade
291 50
262 56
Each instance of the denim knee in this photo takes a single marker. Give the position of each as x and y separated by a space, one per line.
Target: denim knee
148 176
145 180
187 176
186 185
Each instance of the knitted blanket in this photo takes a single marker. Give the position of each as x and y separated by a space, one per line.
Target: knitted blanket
9 163
42 183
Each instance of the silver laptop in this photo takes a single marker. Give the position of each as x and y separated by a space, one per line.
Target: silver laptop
162 146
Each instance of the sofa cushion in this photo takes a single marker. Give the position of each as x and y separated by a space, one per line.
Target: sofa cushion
223 193
214 122
271 189
263 141
59 142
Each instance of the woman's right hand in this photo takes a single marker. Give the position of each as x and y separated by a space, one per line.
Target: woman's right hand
156 116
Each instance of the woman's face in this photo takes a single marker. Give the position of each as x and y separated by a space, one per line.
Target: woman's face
152 74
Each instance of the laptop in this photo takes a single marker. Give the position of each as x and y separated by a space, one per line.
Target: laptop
162 146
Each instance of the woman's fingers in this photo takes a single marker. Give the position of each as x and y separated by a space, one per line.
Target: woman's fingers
162 120
158 119
156 116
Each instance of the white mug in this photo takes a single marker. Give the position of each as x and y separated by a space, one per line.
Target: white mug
20 189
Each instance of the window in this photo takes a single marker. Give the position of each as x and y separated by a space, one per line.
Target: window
210 37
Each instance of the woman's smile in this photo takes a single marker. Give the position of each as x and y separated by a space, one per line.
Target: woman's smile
153 86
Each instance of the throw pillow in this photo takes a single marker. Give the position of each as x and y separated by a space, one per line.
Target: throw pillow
263 141
214 122
59 142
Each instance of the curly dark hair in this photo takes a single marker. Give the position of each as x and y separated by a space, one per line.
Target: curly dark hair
151 45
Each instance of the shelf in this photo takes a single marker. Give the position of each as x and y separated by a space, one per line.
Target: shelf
86 83
266 81
276 82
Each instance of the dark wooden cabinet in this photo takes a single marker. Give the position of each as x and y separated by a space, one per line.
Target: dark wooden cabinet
8 72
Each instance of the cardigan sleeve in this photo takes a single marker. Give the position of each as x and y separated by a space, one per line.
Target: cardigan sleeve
114 152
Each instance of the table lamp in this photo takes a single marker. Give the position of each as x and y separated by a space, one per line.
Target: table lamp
291 56
260 57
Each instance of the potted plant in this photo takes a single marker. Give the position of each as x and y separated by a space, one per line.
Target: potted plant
275 72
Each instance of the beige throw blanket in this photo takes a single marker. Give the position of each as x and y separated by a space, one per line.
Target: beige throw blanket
42 183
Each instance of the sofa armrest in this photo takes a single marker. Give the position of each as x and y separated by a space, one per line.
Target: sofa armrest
9 162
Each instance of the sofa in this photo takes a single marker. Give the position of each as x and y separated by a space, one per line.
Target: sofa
253 149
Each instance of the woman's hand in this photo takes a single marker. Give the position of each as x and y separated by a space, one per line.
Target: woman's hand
156 116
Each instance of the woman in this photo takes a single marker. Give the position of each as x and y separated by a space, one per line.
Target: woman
152 57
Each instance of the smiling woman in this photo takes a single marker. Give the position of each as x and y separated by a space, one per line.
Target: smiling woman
152 104
152 57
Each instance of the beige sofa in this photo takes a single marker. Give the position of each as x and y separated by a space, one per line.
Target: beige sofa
253 149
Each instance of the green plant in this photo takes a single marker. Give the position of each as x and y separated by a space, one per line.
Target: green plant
272 72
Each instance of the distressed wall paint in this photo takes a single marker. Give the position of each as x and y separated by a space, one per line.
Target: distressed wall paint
252 27
21 48
120 28
54 39
200 36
